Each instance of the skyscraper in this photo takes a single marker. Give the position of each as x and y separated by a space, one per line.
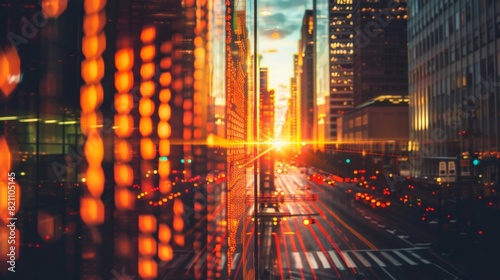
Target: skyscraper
380 49
454 70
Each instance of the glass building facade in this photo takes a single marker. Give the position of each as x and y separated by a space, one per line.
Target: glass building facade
454 66
116 119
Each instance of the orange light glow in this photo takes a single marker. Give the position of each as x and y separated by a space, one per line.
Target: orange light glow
164 129
124 81
89 121
165 252
124 125
166 63
122 246
10 71
148 34
148 268
93 70
124 175
124 59
147 223
91 211
147 245
178 223
93 6
165 95
53 8
163 168
91 97
148 70
166 47
124 199
148 52
164 112
164 233
148 150
145 126
93 46
95 181
165 79
178 207
146 107
123 103
93 23
164 147
94 148
179 239
165 186
147 88
6 159
123 151
4 202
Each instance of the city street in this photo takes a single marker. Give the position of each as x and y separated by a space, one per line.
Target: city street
348 240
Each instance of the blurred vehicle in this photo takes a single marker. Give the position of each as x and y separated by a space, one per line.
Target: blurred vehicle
372 200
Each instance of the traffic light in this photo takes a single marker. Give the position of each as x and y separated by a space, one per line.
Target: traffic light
347 160
476 162
308 221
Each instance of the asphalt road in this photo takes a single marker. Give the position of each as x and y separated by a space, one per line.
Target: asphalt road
347 241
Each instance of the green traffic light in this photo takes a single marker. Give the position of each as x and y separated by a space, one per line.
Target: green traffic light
348 160
475 162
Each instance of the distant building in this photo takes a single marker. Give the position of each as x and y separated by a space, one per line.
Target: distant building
380 49
306 64
376 130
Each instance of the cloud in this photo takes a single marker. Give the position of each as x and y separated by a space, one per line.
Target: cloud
279 31
282 4
278 22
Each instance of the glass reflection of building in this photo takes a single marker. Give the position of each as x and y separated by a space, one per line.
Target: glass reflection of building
454 67
171 118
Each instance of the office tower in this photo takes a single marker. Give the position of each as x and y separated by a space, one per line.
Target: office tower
380 49
453 85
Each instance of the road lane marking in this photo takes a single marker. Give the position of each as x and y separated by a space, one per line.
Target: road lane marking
381 226
297 260
336 260
362 260
223 259
235 261
353 231
419 257
423 244
391 259
377 260
311 260
323 259
348 261
391 231
405 258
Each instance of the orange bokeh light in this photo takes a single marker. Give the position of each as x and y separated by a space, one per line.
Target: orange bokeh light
123 151
146 107
124 199
53 8
124 125
146 126
148 268
148 70
164 129
148 34
147 223
124 175
124 59
94 148
95 181
91 210
164 147
93 70
94 45
91 97
10 70
124 81
148 150
94 23
148 52
93 6
123 103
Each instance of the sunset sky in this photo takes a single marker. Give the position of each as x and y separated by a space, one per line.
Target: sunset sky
279 31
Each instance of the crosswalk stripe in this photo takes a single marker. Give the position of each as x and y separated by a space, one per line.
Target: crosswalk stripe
377 260
362 260
336 260
297 260
235 261
405 258
223 259
348 261
312 260
391 259
420 258
322 259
